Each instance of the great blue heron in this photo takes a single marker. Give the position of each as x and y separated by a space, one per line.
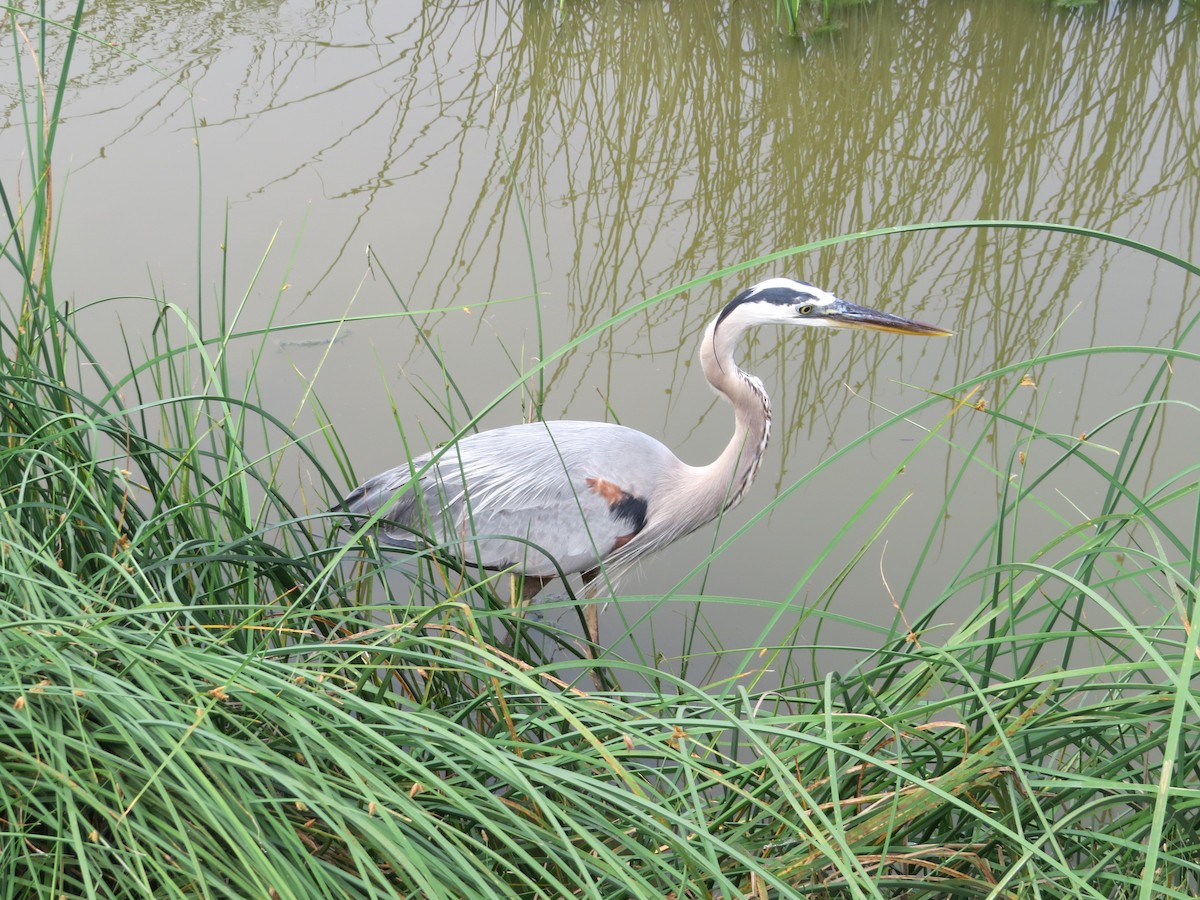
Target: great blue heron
593 494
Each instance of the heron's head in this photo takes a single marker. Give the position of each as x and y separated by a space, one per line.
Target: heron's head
788 302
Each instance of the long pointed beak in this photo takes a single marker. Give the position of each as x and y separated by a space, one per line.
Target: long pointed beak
850 315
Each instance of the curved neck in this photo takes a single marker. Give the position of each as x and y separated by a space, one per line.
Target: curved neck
726 480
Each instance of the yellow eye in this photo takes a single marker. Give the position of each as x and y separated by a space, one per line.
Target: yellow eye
805 310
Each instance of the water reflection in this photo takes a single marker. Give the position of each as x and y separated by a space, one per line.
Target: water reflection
673 142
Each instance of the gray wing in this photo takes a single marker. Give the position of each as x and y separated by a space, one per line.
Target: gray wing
577 490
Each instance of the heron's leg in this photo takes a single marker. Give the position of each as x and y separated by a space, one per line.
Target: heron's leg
591 612
530 585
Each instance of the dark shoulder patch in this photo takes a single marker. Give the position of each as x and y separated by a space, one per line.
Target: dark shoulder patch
633 510
624 506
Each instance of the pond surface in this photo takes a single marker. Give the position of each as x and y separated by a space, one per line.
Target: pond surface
528 170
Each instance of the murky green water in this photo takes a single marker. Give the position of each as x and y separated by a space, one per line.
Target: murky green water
597 154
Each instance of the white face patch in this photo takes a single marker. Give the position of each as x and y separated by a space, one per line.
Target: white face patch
787 301
783 283
819 297
782 301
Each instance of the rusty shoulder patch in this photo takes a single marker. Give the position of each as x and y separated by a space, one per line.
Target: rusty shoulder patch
610 492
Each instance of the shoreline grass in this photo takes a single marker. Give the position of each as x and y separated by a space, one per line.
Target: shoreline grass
204 693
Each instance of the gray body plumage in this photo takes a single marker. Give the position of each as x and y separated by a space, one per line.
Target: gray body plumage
542 483
592 494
